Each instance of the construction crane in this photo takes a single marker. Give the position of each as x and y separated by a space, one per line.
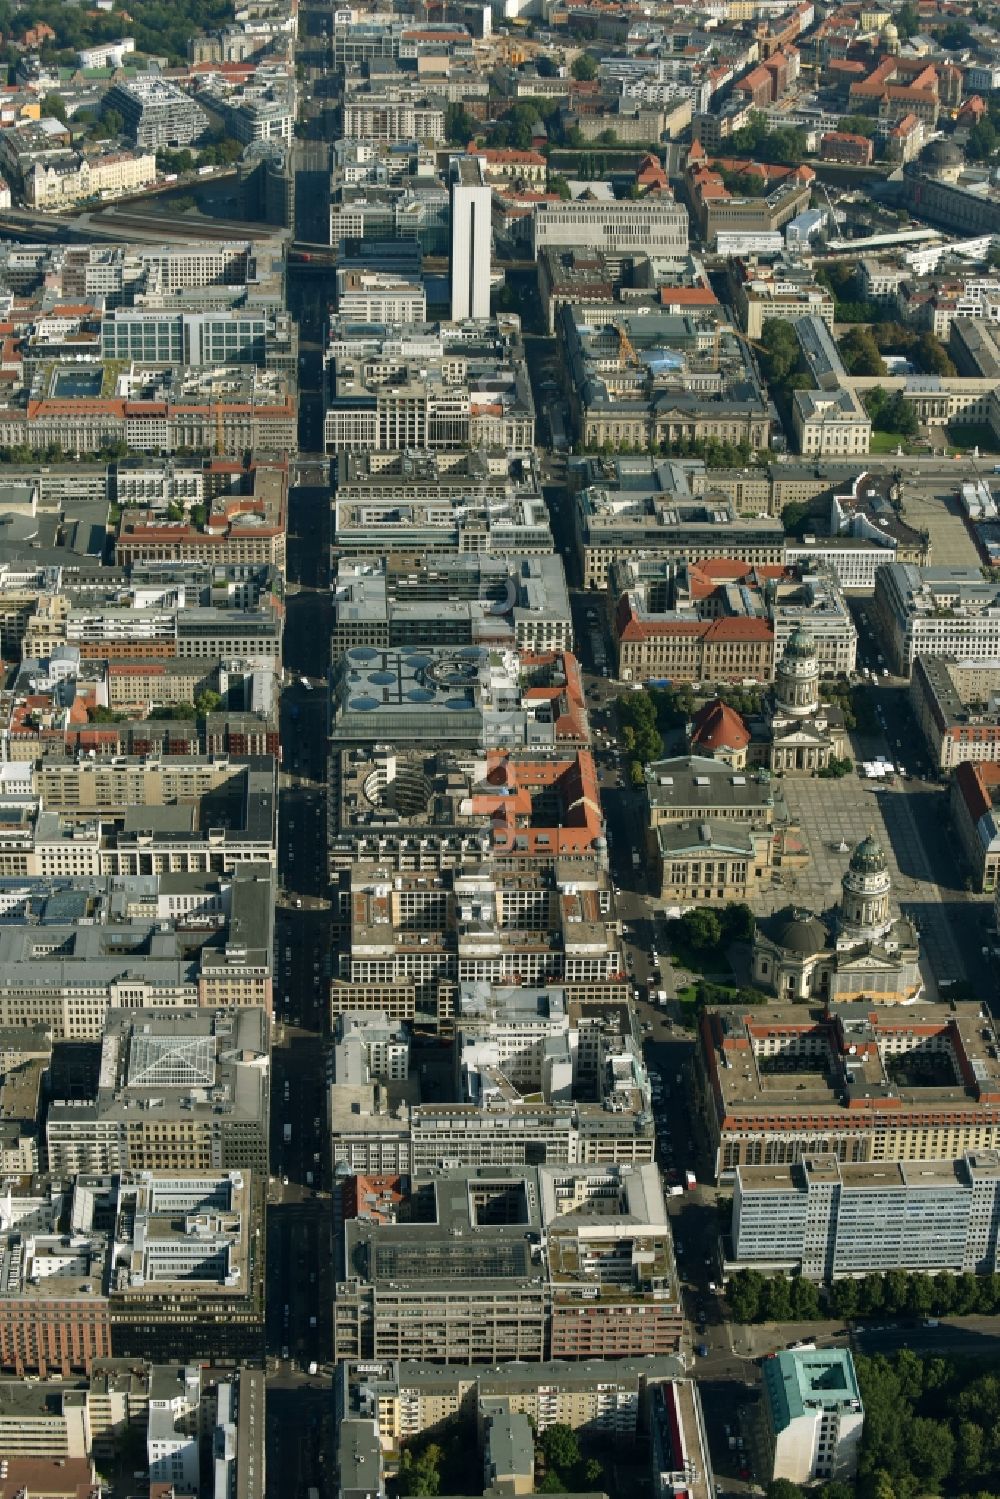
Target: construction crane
626 348
737 333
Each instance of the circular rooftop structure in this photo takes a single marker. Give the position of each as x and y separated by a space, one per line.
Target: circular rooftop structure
800 932
801 645
868 857
941 158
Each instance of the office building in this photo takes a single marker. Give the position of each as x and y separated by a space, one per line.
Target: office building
54 1312
911 1083
812 1416
467 1280
184 1092
461 599
368 1047
680 1461
956 703
936 611
471 238
653 226
824 1218
186 1272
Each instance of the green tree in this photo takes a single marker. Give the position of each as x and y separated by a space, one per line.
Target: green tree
702 928
780 349
920 1295
552 1483
744 1293
932 355
459 125
860 354
805 1300
776 1302
797 518
170 711
966 1294
971 1450
584 68
954 37
111 124
207 701
859 125
894 1287
54 107
931 1448
560 1447
737 921
593 1474
944 1293
783 1488
907 21
417 1476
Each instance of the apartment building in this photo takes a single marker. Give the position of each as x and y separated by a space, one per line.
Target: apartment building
602 1399
867 1084
825 1218
156 112
185 1092
57 182
393 114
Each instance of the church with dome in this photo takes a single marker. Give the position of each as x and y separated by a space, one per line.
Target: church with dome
863 949
796 733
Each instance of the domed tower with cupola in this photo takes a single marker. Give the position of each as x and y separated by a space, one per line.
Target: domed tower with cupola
796 733
866 888
860 950
796 680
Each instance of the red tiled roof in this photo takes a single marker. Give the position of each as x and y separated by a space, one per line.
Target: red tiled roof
717 726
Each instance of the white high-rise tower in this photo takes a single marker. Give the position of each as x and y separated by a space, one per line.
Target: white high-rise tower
471 238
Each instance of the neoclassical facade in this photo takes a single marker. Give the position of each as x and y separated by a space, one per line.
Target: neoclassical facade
797 733
861 950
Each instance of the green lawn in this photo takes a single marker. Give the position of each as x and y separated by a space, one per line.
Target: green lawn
887 442
975 435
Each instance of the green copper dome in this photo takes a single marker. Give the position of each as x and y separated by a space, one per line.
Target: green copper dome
868 857
800 644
